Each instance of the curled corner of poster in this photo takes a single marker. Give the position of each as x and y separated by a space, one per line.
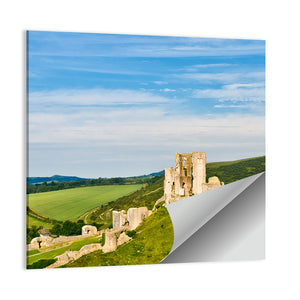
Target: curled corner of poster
224 224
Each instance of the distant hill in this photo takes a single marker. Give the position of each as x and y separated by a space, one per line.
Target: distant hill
227 171
56 178
60 178
156 174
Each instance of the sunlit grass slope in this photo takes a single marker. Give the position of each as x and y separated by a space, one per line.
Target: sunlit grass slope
152 243
38 223
230 171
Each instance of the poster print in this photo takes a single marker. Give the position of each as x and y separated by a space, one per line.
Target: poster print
142 148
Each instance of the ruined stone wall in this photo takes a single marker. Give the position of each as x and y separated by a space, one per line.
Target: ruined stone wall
131 220
213 182
113 239
178 180
199 172
73 255
110 241
185 166
42 242
89 230
46 241
188 177
119 219
169 184
136 215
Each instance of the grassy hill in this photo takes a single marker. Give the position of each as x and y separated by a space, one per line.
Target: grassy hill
31 221
97 202
146 196
72 203
56 178
154 237
230 171
152 242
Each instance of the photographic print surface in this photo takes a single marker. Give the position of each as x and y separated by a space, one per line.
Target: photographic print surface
137 142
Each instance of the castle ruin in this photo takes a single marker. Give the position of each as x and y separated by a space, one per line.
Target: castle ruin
131 220
188 177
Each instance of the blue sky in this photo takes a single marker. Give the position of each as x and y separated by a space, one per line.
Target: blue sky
121 105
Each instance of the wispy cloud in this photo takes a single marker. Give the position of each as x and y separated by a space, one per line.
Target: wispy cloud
167 90
211 65
98 96
232 106
234 92
97 45
146 128
103 71
195 68
137 141
224 78
87 117
160 82
113 124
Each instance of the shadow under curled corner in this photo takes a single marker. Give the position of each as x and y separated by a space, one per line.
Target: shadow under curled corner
224 224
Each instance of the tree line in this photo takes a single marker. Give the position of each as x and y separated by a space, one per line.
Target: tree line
55 186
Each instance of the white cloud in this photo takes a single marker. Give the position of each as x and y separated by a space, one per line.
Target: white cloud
211 77
234 92
160 82
146 46
223 78
245 85
139 125
146 128
232 106
195 68
167 90
93 97
211 65
101 71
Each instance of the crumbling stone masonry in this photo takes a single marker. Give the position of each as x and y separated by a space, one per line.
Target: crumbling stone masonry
136 215
73 255
188 177
113 239
131 220
89 230
45 240
119 219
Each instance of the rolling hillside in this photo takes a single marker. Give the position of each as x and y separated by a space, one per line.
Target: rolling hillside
154 237
152 242
227 172
98 201
146 196
56 178
230 171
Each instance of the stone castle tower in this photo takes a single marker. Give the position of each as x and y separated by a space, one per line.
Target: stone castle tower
188 177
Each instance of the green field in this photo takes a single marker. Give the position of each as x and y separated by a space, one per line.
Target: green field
72 203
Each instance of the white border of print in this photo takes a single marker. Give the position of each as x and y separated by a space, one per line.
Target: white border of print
273 278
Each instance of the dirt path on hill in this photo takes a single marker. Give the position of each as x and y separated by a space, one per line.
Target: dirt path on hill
153 191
